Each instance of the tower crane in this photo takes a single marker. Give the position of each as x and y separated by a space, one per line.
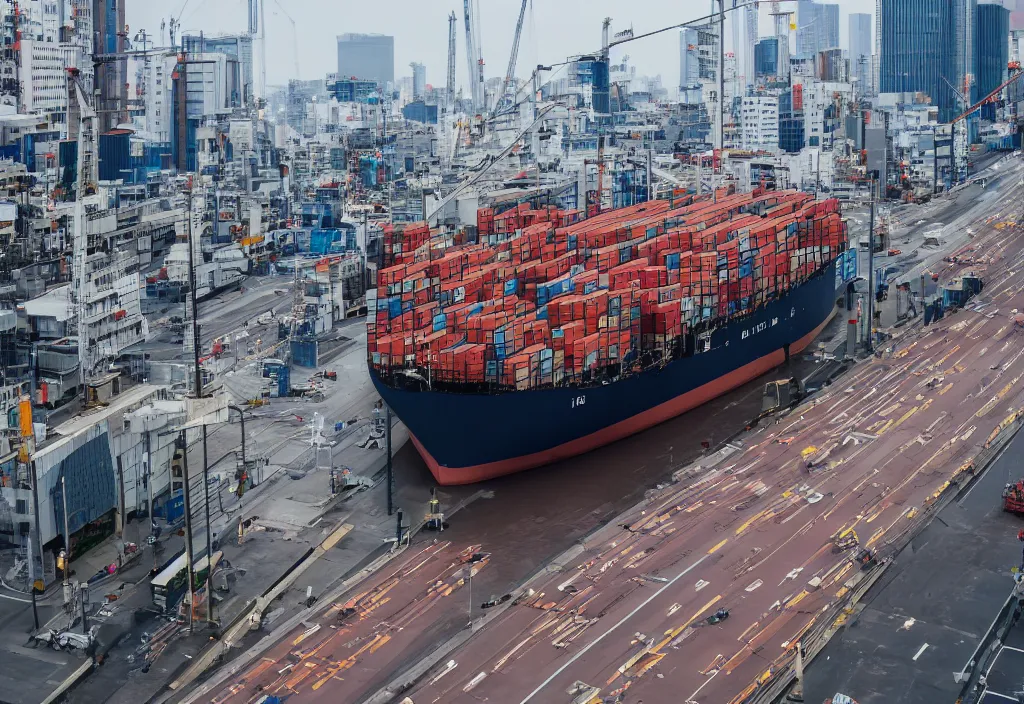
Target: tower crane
295 35
447 140
508 91
474 55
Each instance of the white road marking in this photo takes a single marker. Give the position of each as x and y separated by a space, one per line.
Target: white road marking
14 598
601 637
920 652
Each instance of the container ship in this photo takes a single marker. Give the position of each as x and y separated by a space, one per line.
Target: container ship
545 334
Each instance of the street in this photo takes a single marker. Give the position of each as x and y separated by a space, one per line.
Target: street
749 530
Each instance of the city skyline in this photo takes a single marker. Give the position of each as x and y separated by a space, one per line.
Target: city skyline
420 32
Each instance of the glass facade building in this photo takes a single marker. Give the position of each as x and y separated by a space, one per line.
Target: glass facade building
766 57
791 125
367 56
919 42
817 27
860 51
991 49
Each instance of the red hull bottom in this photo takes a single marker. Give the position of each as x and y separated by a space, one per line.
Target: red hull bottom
450 476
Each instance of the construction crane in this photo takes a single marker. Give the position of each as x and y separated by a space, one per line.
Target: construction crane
960 156
474 55
447 140
295 35
508 94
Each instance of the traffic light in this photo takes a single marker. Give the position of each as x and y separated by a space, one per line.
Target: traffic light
61 560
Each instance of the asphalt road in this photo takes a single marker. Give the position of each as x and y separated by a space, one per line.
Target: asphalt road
750 534
923 621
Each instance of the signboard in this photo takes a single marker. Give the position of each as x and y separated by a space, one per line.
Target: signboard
241 135
846 268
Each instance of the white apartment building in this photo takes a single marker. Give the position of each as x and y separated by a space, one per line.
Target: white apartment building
157 76
818 96
43 58
759 122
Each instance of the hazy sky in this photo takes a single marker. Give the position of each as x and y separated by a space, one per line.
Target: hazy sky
557 29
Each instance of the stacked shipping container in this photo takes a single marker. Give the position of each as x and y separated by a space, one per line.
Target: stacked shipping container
545 297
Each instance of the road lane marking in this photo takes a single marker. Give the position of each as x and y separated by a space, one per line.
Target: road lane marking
601 637
715 549
920 652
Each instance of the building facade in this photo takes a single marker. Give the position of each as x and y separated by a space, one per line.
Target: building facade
237 47
766 57
759 120
991 49
419 80
367 56
689 67
817 27
111 75
860 52
919 48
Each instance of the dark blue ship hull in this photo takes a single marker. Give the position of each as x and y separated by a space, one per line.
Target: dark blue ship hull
466 438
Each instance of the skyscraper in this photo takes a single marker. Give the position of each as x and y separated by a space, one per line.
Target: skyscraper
860 51
367 56
419 80
817 27
689 67
111 75
991 49
923 45
766 57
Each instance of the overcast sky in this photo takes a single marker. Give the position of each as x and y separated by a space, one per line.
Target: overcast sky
557 29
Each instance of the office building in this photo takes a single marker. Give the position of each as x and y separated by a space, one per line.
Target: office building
237 47
111 76
759 119
367 56
419 80
43 78
860 52
817 27
922 43
991 49
689 67
791 122
350 90
157 75
829 65
766 57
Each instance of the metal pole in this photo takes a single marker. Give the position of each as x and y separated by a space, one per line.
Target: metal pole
721 79
195 303
189 554
871 274
149 479
241 417
209 533
391 474
38 543
67 533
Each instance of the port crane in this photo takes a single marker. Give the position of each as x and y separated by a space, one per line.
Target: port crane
474 55
508 95
295 35
448 140
961 154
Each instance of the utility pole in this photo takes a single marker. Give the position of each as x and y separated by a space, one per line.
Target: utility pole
391 473
189 554
871 272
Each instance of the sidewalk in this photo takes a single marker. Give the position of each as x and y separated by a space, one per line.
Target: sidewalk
293 515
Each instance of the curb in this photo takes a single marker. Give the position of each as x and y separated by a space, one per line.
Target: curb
324 603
